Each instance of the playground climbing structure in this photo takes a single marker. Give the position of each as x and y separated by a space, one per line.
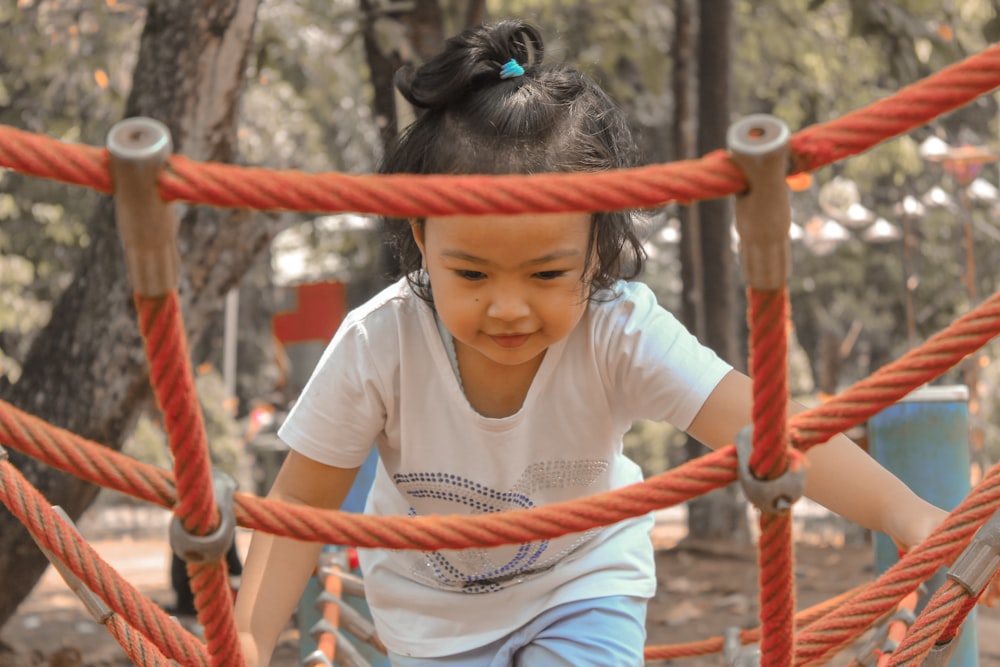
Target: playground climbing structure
139 168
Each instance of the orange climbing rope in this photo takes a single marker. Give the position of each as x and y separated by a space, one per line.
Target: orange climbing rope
776 443
51 531
712 176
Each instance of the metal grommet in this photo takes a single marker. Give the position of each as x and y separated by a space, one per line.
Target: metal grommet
774 496
213 547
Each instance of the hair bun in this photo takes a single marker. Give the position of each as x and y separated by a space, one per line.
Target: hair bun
470 61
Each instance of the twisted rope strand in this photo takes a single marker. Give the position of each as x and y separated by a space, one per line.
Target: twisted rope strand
777 590
86 459
136 647
768 320
767 316
904 110
890 383
28 505
940 548
712 176
945 605
173 383
715 644
162 330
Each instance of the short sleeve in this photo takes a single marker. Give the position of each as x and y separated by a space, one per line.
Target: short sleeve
656 368
341 410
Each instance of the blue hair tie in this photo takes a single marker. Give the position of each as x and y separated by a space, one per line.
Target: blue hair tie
511 69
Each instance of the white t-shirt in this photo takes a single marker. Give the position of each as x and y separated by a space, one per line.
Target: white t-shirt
386 379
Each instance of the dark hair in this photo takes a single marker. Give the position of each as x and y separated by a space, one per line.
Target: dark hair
553 118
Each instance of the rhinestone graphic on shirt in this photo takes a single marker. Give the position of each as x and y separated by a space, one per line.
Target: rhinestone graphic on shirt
488 570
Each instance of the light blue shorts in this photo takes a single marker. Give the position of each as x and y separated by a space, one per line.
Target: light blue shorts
603 632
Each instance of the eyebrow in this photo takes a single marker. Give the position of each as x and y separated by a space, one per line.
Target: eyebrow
544 259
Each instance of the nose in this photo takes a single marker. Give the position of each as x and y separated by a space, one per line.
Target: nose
508 303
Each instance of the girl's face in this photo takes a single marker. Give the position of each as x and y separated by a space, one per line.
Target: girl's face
507 286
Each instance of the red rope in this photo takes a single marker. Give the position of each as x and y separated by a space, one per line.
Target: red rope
170 374
715 644
890 383
768 320
162 330
777 590
767 315
138 650
88 460
712 176
50 444
28 505
918 565
946 605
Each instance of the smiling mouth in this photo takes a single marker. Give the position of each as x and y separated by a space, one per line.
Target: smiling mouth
511 340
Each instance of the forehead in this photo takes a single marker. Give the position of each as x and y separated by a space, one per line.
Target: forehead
533 229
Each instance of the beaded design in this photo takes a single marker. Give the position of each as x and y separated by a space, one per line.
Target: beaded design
489 570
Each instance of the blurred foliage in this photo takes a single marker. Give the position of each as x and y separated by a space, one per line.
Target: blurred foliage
224 432
66 68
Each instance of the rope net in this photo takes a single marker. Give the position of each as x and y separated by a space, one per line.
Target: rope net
151 638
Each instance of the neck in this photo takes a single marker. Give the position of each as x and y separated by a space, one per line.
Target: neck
492 389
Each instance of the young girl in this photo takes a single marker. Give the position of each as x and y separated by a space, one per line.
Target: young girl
500 373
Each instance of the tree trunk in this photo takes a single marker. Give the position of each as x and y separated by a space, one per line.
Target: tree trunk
719 515
86 371
686 148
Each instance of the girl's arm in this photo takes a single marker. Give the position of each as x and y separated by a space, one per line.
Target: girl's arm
278 568
840 476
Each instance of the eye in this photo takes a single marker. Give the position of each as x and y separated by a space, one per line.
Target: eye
468 274
550 275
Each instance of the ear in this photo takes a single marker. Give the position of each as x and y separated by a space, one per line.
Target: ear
417 229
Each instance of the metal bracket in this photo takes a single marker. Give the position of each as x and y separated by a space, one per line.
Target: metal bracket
940 654
880 643
213 547
98 609
774 496
978 562
347 654
735 653
758 144
139 148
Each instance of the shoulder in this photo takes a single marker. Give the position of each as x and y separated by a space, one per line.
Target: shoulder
626 307
396 298
393 308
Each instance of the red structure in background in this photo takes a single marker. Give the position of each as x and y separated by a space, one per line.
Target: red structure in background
319 309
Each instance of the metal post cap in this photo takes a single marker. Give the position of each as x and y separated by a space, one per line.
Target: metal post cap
757 134
140 138
139 148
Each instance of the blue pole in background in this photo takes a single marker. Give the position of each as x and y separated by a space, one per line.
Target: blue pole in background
924 440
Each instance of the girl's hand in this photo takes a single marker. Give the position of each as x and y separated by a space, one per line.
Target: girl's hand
909 530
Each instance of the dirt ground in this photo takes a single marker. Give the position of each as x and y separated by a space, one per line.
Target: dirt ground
704 588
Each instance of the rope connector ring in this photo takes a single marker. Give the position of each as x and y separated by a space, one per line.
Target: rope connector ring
978 562
758 144
4 456
213 547
774 496
139 148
